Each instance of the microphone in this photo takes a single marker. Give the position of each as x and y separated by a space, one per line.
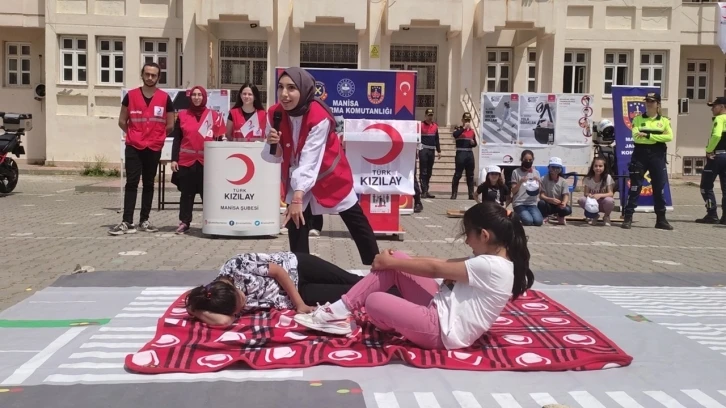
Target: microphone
276 119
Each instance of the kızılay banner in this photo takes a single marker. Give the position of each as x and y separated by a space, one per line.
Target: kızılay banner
629 102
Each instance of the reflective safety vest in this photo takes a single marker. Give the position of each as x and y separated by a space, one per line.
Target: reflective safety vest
147 124
195 132
428 134
247 130
335 178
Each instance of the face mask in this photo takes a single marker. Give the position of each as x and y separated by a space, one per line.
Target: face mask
527 164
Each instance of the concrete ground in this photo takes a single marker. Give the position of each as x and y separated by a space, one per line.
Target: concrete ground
659 295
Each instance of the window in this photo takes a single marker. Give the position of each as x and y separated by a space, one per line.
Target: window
652 69
499 64
157 51
17 64
180 63
240 62
575 72
693 166
616 70
111 61
531 70
73 59
697 74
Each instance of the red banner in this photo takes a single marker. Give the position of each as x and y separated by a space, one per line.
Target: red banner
405 91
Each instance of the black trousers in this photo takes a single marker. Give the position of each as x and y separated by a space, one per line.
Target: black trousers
317 223
319 281
191 183
715 167
416 187
140 165
426 158
652 161
358 226
464 160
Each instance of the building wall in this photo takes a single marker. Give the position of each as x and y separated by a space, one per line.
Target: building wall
81 117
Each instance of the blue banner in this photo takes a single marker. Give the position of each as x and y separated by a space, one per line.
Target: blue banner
629 102
366 94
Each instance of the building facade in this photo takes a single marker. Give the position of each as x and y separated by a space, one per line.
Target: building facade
85 51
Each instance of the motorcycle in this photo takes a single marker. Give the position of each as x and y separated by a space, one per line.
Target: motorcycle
14 126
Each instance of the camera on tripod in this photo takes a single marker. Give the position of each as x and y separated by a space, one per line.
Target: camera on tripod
16 122
604 132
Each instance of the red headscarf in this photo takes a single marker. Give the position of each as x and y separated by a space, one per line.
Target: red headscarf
198 110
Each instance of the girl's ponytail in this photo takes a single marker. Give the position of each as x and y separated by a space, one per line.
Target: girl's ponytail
519 255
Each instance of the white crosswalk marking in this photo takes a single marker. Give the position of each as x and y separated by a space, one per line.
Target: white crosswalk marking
664 301
466 399
665 399
386 400
707 334
623 399
122 336
703 399
127 329
586 399
543 398
506 401
426 400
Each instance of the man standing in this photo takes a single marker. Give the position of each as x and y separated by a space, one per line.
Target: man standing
429 143
715 164
147 116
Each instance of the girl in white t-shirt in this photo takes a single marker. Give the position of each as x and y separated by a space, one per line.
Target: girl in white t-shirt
599 185
454 314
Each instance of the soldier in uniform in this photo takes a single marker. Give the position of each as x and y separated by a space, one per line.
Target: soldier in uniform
651 131
464 160
715 164
429 143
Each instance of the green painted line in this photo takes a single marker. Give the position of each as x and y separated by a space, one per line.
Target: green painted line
39 324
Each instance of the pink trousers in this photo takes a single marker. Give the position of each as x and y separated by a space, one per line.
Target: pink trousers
607 204
414 316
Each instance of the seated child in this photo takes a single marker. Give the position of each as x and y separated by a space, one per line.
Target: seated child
493 188
555 194
454 314
280 280
599 185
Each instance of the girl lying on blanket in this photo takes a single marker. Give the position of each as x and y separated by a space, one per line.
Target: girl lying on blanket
281 280
451 315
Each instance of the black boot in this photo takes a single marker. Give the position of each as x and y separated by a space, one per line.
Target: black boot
418 207
454 188
627 222
470 187
708 219
661 222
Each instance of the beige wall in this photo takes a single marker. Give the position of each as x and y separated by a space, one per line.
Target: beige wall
81 118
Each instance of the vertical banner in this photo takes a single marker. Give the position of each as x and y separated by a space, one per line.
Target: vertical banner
629 102
721 18
548 124
367 94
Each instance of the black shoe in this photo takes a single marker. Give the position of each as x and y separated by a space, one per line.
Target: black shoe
708 219
627 223
662 224
453 196
471 196
428 195
418 207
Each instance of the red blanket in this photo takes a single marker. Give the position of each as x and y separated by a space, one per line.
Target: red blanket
534 333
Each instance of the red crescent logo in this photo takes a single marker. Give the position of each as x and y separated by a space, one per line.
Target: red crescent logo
250 169
396 143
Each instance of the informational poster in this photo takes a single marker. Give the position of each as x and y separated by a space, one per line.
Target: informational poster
721 32
548 124
380 204
217 100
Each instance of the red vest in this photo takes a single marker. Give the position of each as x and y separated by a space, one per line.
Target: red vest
146 124
195 133
429 130
238 120
335 179
467 134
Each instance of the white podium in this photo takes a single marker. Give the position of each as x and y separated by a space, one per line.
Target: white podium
241 191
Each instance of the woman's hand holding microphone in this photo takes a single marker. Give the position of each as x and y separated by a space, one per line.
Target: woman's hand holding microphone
273 138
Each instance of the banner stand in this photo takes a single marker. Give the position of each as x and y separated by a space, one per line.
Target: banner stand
383 212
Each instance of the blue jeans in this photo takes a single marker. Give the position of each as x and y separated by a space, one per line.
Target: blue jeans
547 209
529 214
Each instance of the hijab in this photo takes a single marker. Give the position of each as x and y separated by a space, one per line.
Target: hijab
198 110
306 84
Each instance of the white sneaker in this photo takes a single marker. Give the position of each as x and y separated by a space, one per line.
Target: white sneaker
322 319
606 221
314 233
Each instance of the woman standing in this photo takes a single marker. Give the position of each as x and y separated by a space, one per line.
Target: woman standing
315 172
651 132
247 121
464 160
193 127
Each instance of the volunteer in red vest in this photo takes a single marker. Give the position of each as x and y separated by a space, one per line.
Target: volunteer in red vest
429 144
464 160
194 126
147 116
247 119
315 171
